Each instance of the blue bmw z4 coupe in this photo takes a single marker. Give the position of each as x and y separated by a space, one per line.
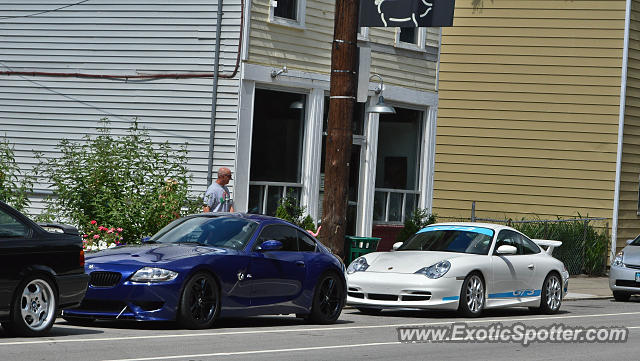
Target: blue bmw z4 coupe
211 265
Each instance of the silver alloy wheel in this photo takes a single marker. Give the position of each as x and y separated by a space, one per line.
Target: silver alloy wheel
553 292
475 294
37 305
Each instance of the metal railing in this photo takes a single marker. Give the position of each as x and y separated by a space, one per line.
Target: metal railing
394 205
264 197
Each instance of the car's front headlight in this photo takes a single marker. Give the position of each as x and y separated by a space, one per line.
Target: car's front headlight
359 265
618 260
153 274
437 270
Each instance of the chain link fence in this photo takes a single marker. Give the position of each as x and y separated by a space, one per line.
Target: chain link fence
585 241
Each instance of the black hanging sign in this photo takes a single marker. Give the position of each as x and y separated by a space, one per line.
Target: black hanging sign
406 13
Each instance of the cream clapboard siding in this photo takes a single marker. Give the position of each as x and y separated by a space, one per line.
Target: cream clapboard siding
528 109
309 49
628 218
123 38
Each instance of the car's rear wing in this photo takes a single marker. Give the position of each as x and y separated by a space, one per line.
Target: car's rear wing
550 244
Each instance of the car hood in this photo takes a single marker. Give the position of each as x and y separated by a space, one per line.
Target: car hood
407 261
632 255
156 253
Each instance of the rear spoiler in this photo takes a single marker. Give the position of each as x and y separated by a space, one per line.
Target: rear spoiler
548 243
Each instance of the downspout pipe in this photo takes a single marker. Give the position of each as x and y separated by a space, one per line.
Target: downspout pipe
623 98
214 93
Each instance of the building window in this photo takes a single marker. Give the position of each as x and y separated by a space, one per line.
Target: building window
276 149
411 38
287 12
397 166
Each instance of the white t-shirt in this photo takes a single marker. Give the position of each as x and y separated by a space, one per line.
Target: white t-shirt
218 198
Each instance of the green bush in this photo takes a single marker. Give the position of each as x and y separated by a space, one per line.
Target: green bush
125 182
419 219
15 185
583 245
289 210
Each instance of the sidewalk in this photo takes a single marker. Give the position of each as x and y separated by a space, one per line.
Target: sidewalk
584 287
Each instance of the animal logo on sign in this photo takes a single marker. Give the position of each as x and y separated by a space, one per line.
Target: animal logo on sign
402 13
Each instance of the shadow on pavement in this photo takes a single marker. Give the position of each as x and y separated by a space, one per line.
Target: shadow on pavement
58 330
222 323
445 314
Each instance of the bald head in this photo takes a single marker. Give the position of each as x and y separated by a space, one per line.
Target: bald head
224 176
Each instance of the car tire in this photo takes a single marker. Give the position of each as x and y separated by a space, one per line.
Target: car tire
472 295
200 302
551 295
621 296
34 307
328 299
78 321
369 311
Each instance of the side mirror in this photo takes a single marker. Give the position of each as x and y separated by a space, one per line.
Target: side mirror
506 249
270 245
396 246
629 241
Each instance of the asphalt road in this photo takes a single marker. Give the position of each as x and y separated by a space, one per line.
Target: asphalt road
354 337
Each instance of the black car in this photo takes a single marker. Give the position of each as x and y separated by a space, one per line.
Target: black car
41 272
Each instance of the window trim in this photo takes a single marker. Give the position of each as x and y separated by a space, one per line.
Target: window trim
420 46
298 23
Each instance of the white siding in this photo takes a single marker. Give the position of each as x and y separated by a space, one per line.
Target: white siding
132 37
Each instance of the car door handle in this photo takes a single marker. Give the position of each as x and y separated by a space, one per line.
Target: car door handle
299 263
531 266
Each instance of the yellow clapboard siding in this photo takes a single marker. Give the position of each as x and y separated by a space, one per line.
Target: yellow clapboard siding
546 51
509 78
559 190
550 122
446 104
471 116
604 90
463 160
488 5
494 151
518 143
584 32
462 69
498 170
504 40
526 135
532 60
535 180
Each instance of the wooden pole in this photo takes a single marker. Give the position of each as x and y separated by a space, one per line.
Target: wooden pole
339 133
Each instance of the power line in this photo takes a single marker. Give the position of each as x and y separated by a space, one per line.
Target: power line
45 11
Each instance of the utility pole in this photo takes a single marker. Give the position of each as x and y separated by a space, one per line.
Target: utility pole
342 98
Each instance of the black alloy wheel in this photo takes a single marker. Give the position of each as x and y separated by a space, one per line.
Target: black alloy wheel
200 302
328 299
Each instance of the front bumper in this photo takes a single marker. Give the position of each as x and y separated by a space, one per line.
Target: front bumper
396 290
130 301
624 279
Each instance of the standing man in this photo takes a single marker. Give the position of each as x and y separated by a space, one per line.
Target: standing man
217 198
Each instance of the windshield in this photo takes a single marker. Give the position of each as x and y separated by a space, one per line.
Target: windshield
636 242
473 240
225 232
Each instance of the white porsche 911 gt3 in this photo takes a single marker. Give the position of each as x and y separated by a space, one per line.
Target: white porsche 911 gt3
464 266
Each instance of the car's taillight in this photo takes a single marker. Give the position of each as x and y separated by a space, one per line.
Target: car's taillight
82 258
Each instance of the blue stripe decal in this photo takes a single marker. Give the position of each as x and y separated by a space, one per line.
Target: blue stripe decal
452 298
487 231
517 293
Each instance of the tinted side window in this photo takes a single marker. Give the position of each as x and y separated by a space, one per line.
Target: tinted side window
528 246
306 243
509 238
11 227
284 234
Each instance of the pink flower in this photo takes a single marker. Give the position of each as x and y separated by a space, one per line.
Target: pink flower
119 229
85 236
110 231
93 222
96 236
